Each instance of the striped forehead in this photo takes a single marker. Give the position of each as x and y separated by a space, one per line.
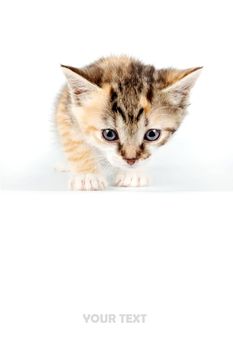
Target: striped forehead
128 103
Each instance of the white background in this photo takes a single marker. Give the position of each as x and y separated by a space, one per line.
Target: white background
63 254
166 255
37 36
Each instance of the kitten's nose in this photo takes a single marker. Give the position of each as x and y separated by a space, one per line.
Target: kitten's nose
130 161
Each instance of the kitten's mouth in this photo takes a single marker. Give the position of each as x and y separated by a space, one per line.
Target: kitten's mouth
130 161
126 163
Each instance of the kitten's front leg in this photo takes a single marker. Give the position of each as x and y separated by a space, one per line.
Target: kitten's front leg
131 178
86 172
83 162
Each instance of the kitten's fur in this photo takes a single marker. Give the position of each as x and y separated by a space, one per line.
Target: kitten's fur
122 94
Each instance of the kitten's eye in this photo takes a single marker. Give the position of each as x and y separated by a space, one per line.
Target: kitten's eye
110 135
152 135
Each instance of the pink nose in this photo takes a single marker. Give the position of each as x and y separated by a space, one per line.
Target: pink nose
130 161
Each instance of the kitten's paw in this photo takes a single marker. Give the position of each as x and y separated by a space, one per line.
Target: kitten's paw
131 179
87 182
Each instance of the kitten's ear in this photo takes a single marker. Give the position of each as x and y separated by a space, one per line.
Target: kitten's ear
78 82
178 83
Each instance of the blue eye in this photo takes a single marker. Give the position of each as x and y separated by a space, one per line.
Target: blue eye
152 135
110 135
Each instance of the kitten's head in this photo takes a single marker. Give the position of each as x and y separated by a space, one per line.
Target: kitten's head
125 108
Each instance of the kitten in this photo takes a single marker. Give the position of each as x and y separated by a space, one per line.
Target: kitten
118 110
